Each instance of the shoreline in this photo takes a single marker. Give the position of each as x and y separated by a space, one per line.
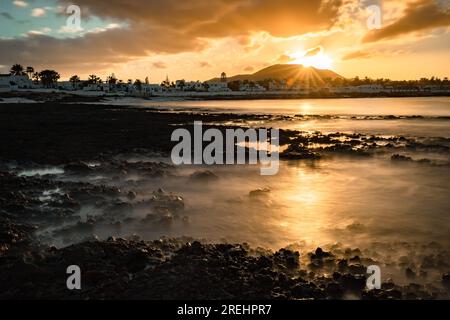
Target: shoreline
74 97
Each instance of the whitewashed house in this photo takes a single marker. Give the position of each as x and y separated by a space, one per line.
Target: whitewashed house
214 86
251 87
344 89
370 88
277 85
69 85
103 87
15 82
151 89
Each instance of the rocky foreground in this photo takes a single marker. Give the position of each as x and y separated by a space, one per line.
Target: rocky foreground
84 141
182 269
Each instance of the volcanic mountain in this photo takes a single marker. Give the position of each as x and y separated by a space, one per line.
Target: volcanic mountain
289 72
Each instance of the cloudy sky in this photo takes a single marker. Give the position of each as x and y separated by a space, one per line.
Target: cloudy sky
198 39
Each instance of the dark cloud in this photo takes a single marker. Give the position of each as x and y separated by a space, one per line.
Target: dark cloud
418 15
249 69
6 15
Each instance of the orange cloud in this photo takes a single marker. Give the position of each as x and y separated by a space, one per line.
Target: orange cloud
167 27
284 59
312 52
159 65
204 64
357 55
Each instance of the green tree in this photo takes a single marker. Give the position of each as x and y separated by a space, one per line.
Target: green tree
111 79
49 78
75 80
93 79
138 85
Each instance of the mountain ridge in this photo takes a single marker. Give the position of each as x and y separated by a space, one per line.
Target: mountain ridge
290 72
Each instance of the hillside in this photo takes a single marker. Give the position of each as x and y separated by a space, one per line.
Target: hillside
289 72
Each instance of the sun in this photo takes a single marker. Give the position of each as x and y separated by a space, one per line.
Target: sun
318 61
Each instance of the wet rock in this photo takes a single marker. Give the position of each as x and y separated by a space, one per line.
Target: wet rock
78 167
259 192
300 155
398 157
334 290
319 254
131 195
302 291
264 262
446 280
394 294
409 273
342 265
288 258
203 176
163 199
353 283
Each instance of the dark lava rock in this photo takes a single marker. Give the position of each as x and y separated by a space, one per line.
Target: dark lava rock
300 155
131 195
77 168
319 254
353 283
446 280
399 157
203 176
409 273
288 258
259 192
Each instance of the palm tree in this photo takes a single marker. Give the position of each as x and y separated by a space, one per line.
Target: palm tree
75 80
36 78
17 70
93 79
138 85
111 79
30 71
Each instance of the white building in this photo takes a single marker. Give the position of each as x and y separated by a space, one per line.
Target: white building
277 85
104 87
251 87
344 89
183 85
218 87
370 88
69 85
14 82
150 89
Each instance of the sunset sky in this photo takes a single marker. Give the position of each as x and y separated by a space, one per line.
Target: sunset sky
198 39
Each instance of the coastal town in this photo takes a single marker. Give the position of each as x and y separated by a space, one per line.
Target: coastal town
27 79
